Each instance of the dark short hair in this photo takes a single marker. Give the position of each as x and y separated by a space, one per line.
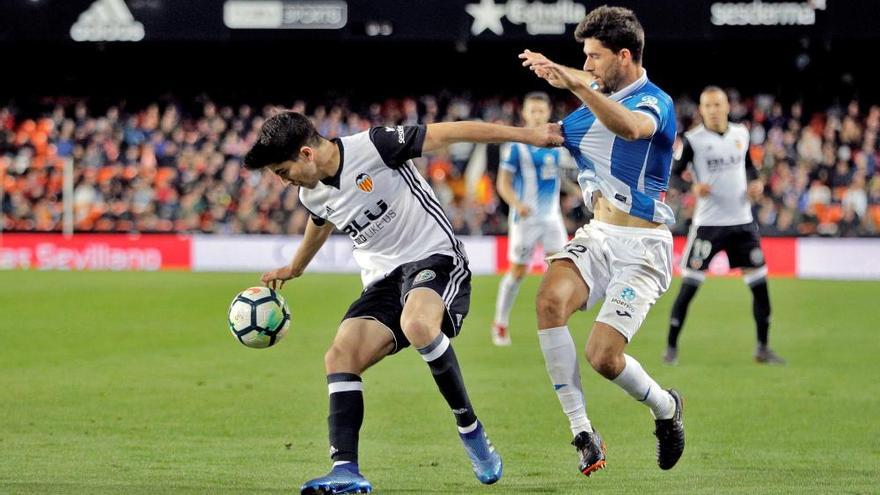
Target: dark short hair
616 27
537 95
280 140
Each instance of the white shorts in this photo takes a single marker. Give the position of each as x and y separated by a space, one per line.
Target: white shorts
524 235
628 267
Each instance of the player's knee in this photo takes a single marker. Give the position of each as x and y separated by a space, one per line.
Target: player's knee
340 360
418 332
518 272
550 306
605 361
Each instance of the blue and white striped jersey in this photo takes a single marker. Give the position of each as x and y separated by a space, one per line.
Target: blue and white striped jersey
633 175
535 179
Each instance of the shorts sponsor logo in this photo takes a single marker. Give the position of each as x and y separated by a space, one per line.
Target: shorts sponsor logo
757 256
628 294
623 313
424 276
620 302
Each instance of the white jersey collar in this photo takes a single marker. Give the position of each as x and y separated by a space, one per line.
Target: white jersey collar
631 88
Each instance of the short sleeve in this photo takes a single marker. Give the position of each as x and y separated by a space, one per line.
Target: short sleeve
398 144
655 107
510 158
317 220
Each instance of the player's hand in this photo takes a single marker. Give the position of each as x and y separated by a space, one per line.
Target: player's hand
523 210
702 189
275 279
538 63
756 190
546 136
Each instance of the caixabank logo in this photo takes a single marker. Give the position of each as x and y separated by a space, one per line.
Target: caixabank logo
107 20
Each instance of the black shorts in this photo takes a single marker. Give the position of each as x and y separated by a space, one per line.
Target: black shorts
384 299
741 243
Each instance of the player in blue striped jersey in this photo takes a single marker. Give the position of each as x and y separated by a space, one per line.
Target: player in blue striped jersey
621 138
529 180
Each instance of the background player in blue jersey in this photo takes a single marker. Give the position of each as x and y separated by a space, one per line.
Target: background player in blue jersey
621 139
528 181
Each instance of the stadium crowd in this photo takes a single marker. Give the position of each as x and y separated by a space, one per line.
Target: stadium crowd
167 168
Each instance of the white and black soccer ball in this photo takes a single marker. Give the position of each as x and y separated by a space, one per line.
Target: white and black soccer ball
259 317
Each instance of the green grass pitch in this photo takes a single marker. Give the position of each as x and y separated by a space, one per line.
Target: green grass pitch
131 383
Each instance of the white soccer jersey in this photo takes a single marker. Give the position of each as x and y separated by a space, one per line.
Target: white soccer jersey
721 161
380 200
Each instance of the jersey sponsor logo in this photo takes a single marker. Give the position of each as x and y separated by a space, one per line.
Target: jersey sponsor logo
369 222
424 276
364 183
107 20
716 163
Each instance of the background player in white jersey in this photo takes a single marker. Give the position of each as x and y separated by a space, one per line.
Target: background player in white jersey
724 177
528 181
414 270
621 139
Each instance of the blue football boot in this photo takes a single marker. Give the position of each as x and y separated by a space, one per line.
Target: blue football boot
344 478
485 460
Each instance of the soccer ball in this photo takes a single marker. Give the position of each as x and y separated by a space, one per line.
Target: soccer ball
259 317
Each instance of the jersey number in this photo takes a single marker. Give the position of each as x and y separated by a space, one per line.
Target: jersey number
577 248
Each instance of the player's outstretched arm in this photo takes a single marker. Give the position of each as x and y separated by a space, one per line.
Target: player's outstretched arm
615 117
314 238
445 133
530 58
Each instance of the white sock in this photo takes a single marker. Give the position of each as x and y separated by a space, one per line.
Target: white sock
560 356
643 388
507 291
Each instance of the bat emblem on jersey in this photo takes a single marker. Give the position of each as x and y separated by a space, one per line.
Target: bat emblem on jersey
364 182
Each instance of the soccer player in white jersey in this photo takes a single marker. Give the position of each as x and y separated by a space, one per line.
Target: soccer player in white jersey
528 181
621 138
414 270
724 177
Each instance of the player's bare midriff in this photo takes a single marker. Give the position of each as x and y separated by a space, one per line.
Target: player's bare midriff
606 212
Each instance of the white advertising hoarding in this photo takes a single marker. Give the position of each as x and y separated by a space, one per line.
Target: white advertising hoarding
260 253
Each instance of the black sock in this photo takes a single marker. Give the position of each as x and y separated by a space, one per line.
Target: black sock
444 366
679 309
346 415
761 309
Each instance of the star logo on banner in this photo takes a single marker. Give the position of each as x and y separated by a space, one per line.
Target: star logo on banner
487 15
